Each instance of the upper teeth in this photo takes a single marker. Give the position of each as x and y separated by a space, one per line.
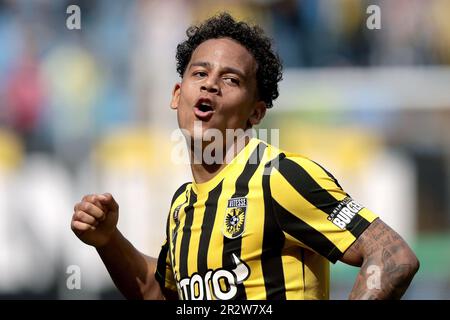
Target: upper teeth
205 104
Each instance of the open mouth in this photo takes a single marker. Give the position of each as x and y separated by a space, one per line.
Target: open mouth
203 109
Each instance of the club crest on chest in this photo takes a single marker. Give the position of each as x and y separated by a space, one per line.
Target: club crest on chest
234 222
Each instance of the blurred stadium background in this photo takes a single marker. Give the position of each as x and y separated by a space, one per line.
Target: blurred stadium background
85 111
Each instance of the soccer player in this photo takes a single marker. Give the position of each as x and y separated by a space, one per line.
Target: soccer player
265 224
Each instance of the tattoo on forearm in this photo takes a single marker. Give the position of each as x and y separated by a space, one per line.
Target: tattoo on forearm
385 251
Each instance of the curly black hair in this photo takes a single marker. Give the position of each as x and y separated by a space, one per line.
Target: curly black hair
269 67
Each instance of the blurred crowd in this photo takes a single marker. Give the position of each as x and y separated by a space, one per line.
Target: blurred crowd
59 85
87 110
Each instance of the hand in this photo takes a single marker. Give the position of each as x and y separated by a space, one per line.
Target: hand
94 220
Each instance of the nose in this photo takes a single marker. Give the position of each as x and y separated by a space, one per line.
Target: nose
210 86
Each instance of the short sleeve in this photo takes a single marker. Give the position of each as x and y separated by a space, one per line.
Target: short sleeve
164 273
313 210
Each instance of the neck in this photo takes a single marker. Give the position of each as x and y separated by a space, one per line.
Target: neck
203 172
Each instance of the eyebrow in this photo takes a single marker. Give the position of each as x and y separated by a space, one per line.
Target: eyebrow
224 69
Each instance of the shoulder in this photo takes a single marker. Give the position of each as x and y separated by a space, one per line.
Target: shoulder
295 164
278 155
179 192
299 170
291 163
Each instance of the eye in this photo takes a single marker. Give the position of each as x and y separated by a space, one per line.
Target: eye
200 74
231 81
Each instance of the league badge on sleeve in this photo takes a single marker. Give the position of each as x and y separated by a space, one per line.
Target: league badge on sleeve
176 214
234 223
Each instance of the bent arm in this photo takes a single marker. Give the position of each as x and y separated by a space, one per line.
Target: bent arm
387 263
131 271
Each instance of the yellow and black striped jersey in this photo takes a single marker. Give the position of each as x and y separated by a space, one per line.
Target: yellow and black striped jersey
265 227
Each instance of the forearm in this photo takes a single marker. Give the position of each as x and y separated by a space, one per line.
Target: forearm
387 263
386 274
131 271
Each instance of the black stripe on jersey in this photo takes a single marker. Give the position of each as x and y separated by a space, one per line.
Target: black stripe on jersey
179 191
160 274
249 170
330 175
207 227
357 225
304 184
161 264
300 179
175 230
231 246
184 247
303 232
272 244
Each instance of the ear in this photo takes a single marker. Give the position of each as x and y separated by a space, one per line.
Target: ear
258 113
175 96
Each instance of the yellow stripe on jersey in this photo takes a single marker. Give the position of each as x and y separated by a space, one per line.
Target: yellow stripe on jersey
251 242
317 280
367 214
294 273
260 229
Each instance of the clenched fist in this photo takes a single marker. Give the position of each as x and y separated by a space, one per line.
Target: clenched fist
95 219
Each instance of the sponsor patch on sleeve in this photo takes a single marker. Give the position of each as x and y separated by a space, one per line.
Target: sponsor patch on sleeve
344 213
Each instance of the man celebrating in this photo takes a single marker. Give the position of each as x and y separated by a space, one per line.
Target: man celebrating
263 225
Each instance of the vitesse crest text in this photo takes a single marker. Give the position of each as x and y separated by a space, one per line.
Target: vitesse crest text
234 224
